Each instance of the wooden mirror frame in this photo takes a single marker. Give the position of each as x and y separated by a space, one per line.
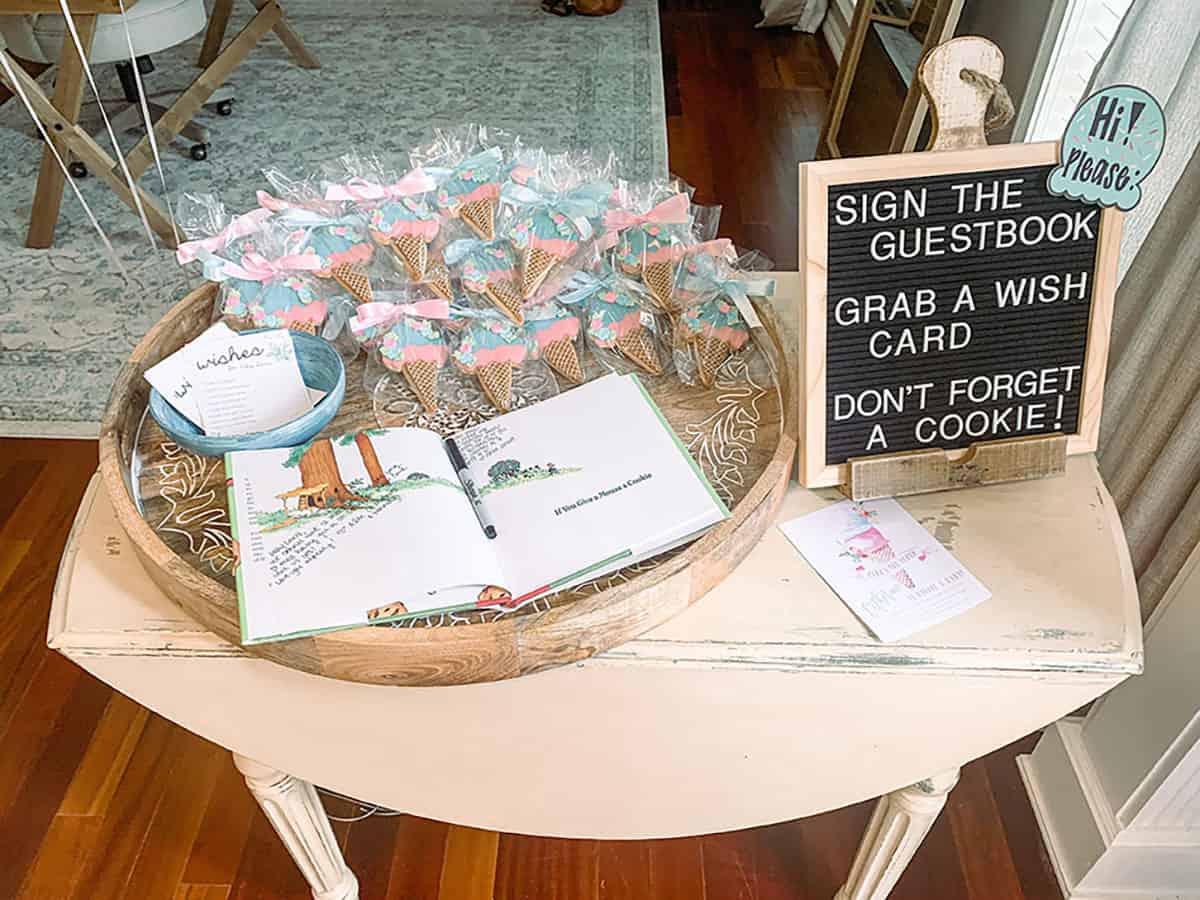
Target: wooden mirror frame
942 24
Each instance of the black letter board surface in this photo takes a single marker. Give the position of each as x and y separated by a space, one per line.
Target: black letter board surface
958 306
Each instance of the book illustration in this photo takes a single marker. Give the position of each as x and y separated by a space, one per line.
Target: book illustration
508 473
323 491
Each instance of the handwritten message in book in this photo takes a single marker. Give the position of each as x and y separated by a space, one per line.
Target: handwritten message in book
383 524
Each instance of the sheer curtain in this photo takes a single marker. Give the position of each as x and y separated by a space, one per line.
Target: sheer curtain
1150 433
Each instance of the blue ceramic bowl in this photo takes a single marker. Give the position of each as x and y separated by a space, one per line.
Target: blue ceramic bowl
321 368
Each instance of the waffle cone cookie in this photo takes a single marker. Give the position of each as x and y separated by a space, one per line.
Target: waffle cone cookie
660 278
563 359
438 280
504 296
355 280
422 377
414 253
536 265
710 355
496 381
638 346
480 216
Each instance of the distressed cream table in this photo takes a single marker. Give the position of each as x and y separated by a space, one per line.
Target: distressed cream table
763 702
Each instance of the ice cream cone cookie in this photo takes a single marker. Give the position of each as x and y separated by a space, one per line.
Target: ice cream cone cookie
490 349
414 347
549 228
408 226
437 279
546 237
614 321
355 280
649 252
472 192
716 331
286 302
489 269
554 332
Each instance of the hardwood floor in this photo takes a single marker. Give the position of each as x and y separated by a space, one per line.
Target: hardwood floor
100 799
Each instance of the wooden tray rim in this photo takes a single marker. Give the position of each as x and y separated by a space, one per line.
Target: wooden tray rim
468 653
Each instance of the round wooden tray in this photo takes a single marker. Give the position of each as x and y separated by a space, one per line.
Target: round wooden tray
172 504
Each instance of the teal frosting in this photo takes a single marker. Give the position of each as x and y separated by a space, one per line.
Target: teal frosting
470 175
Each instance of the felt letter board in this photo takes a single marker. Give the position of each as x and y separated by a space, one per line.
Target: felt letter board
950 299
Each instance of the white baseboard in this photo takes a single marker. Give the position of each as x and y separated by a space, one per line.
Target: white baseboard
836 26
1092 856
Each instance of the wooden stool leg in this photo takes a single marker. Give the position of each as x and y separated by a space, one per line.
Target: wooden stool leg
68 96
295 812
897 827
304 57
214 35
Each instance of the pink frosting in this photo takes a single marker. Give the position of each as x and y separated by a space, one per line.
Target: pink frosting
631 322
734 337
562 328
554 246
490 191
668 253
513 354
359 253
435 353
312 312
426 228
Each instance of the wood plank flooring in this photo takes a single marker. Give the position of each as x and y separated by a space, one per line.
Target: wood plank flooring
100 799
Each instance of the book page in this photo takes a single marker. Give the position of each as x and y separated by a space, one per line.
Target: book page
348 530
580 482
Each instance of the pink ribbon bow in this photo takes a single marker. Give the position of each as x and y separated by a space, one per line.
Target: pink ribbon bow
672 211
256 267
722 247
371 315
360 190
239 226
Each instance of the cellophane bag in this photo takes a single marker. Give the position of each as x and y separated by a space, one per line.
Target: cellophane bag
406 335
622 326
400 215
332 230
265 282
717 332
553 213
470 164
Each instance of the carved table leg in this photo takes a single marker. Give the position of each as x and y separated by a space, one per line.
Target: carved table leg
898 825
295 812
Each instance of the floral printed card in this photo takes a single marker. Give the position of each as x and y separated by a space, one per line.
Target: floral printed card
890 571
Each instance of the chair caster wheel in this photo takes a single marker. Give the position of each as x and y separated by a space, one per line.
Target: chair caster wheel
199 152
225 108
77 170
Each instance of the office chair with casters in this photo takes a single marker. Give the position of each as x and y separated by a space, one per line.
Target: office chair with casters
154 25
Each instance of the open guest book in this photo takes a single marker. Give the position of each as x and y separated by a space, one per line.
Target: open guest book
384 524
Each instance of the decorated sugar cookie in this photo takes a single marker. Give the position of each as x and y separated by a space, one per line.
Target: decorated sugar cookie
489 349
414 347
286 302
548 229
715 330
554 332
339 242
489 269
472 191
648 245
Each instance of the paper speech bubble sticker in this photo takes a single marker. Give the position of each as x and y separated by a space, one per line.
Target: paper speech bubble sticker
1111 144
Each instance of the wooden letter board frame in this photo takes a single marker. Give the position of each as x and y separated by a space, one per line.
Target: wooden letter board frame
815 181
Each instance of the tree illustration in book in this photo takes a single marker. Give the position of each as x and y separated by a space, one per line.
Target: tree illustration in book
324 489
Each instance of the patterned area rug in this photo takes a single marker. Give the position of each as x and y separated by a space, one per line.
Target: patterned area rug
68 318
